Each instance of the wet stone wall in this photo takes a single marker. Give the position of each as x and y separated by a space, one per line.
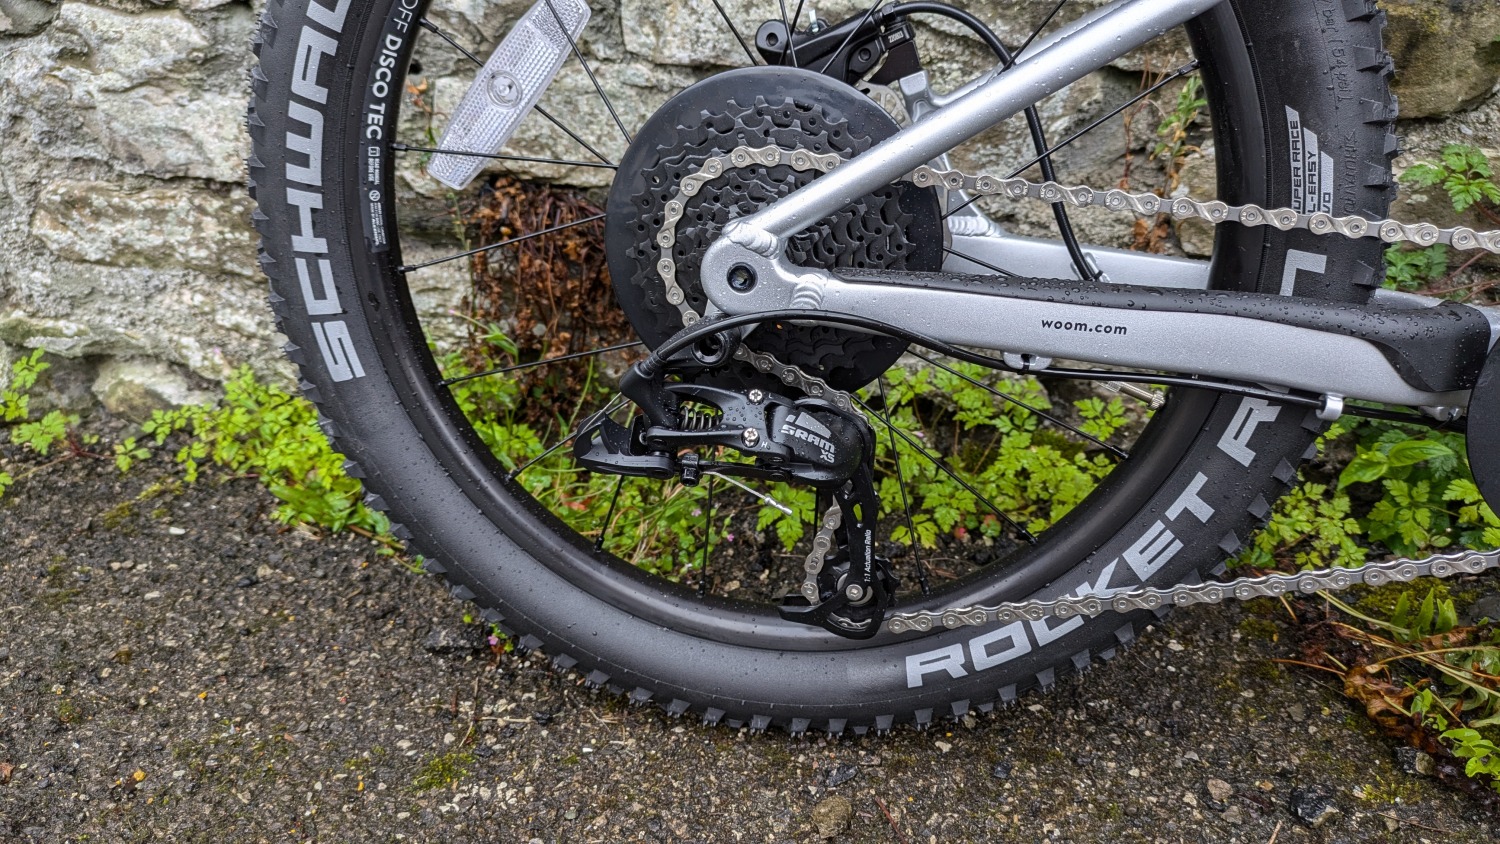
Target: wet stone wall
125 248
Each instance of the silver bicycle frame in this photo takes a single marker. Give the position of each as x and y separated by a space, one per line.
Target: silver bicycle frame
1206 344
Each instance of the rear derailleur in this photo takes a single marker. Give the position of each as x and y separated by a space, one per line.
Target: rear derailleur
847 588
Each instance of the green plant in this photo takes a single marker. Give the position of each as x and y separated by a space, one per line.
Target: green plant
1410 492
1311 527
1482 755
37 435
1416 496
1479 751
41 435
1174 132
128 453
1464 173
1413 269
1434 615
263 432
1029 468
15 399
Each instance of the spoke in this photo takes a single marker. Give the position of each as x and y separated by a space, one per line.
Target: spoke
609 516
433 28
400 147
476 251
517 367
590 71
939 462
1015 401
850 36
1038 31
749 54
1170 78
570 133
985 264
787 28
911 524
1174 76
708 539
613 405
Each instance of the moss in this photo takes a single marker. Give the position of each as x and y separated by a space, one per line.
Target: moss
1380 601
1342 766
1264 607
116 515
159 488
1385 791
443 771
68 712
1256 627
1264 669
58 598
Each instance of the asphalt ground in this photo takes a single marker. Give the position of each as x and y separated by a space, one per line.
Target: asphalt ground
176 666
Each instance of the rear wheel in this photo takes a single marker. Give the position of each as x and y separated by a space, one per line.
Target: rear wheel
1301 116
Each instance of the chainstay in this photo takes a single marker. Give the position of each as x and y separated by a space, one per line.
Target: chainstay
1139 204
1245 588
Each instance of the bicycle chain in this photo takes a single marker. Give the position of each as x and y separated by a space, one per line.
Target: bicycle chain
1182 595
1141 204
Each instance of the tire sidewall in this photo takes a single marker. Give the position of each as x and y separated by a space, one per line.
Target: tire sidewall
345 337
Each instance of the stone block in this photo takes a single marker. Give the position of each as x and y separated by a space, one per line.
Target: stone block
132 389
1447 54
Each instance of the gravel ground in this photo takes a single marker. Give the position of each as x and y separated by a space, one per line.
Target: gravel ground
176 666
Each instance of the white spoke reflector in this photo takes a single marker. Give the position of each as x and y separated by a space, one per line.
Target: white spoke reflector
508 85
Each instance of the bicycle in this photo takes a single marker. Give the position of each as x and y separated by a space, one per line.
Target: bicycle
785 323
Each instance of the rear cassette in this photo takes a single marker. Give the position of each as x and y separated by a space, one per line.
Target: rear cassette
898 227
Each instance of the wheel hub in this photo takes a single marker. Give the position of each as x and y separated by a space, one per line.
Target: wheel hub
898 227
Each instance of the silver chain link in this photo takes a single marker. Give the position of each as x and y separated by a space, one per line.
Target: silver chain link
1141 204
1215 212
737 158
1182 595
823 545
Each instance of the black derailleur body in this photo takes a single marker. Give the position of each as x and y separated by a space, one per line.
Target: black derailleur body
806 440
803 440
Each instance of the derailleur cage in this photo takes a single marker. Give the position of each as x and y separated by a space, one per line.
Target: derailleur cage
853 585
